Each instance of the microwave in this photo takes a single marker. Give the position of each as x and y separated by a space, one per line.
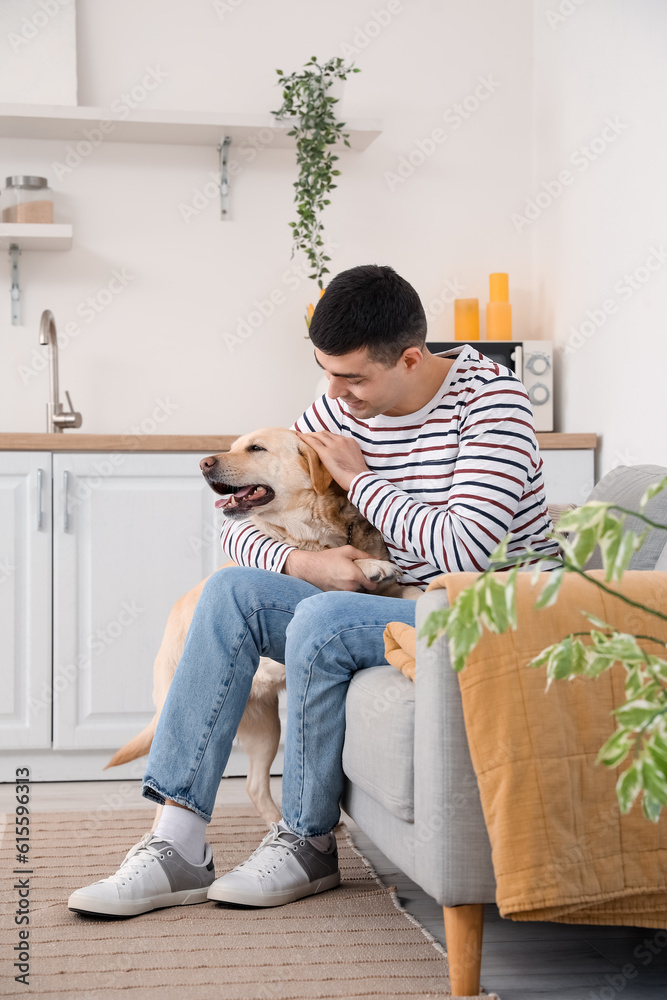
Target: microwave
532 361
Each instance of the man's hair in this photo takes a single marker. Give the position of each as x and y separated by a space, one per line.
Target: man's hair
372 307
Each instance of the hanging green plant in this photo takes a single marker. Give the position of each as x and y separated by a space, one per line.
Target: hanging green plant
310 108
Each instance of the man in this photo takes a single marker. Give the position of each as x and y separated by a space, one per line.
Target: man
440 454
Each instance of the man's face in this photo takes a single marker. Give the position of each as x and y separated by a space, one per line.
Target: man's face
366 387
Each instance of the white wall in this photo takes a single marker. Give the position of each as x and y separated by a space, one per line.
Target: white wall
162 336
604 61
38 52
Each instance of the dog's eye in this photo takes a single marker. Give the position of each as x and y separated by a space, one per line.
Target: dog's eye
255 447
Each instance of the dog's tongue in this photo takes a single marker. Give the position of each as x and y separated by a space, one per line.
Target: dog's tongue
243 492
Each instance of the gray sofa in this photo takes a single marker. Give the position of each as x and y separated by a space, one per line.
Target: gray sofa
410 785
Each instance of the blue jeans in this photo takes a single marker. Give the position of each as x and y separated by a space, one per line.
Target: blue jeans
322 638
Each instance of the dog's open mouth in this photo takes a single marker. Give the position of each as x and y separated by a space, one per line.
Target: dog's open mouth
238 499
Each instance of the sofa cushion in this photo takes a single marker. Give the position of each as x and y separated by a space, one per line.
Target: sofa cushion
379 738
625 485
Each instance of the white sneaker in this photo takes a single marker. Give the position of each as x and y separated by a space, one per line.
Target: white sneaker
284 867
153 875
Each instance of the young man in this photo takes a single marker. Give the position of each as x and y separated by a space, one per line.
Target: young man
440 454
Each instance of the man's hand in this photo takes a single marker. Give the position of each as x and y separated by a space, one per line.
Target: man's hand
331 569
341 456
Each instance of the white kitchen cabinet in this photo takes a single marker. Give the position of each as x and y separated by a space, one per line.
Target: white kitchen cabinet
568 474
123 535
25 599
130 537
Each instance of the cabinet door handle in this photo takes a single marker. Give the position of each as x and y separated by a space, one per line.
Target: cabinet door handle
66 501
40 511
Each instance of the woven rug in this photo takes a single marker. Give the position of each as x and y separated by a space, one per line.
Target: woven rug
350 942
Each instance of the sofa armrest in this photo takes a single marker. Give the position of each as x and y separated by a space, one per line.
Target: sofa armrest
446 796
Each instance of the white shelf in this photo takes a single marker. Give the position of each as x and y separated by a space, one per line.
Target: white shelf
181 128
35 236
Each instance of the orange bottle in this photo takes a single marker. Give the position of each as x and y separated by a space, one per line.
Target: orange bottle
499 310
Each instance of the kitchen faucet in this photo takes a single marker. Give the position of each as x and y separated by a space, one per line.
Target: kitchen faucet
56 418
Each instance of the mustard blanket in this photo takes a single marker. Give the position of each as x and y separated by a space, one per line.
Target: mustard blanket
561 849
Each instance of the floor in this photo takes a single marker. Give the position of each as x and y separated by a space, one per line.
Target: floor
521 961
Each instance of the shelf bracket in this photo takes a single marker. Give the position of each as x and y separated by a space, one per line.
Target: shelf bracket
223 150
15 293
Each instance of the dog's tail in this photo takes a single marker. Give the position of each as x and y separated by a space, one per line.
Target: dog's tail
137 747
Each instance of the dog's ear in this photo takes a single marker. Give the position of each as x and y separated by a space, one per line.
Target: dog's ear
320 476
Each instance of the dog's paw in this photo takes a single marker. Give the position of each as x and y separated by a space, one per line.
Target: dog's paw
378 570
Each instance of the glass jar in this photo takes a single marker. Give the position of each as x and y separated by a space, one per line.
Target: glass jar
27 199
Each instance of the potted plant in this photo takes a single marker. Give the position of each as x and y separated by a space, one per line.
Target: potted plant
491 600
308 106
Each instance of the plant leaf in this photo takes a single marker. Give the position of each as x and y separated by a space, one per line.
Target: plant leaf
637 713
616 749
594 620
499 554
658 755
651 492
542 658
628 787
434 625
494 613
584 543
583 517
654 781
549 594
651 808
568 659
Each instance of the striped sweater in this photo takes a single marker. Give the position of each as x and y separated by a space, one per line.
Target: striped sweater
446 483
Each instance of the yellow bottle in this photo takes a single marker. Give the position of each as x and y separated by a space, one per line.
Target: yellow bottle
466 319
499 310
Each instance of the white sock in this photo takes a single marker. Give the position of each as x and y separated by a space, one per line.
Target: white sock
322 843
185 830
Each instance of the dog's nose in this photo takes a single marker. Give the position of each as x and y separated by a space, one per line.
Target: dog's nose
207 463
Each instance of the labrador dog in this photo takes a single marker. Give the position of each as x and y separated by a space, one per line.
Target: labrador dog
277 481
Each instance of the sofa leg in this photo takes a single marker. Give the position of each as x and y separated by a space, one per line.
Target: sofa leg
464 926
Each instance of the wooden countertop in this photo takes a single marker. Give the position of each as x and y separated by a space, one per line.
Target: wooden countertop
73 441
549 442
210 443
